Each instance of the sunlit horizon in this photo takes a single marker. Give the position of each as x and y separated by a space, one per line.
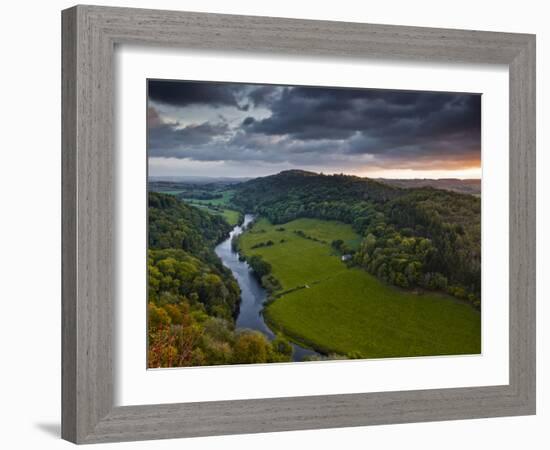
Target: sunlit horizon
407 174
392 174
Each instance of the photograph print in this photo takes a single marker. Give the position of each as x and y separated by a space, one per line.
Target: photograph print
299 223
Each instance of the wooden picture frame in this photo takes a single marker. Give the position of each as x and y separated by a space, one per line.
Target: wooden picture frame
90 34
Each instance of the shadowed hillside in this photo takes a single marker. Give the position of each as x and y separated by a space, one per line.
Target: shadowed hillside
472 187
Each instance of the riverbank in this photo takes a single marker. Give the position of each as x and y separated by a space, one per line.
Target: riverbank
253 295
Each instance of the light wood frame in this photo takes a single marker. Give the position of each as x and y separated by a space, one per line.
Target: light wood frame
90 34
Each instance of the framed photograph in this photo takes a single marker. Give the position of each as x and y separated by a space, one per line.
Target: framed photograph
277 224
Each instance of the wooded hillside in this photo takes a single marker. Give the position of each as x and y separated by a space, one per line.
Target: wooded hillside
192 298
425 237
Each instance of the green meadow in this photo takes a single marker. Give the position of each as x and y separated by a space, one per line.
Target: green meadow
335 309
297 261
171 192
232 216
218 206
224 200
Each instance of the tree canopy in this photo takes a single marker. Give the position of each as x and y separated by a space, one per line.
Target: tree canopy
192 298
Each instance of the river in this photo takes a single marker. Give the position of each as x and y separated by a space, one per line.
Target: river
253 295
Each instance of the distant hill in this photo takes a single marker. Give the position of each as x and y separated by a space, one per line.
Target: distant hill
298 188
195 180
472 187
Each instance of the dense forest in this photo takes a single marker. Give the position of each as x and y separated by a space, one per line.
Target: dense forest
192 298
412 238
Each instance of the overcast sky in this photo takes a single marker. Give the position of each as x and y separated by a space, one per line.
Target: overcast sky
245 130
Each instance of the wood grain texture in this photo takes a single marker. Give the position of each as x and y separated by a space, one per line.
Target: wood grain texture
68 226
89 36
88 211
522 194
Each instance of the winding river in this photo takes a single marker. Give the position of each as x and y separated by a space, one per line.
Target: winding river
253 295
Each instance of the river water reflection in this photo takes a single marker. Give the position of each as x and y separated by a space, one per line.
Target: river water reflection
253 295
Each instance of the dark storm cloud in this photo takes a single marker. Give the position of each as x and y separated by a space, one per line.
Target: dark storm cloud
264 95
165 138
186 93
178 93
320 125
248 121
387 119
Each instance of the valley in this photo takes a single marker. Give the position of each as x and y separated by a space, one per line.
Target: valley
300 266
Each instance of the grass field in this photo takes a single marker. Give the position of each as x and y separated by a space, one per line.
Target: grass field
217 206
222 201
171 192
336 309
233 217
298 261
